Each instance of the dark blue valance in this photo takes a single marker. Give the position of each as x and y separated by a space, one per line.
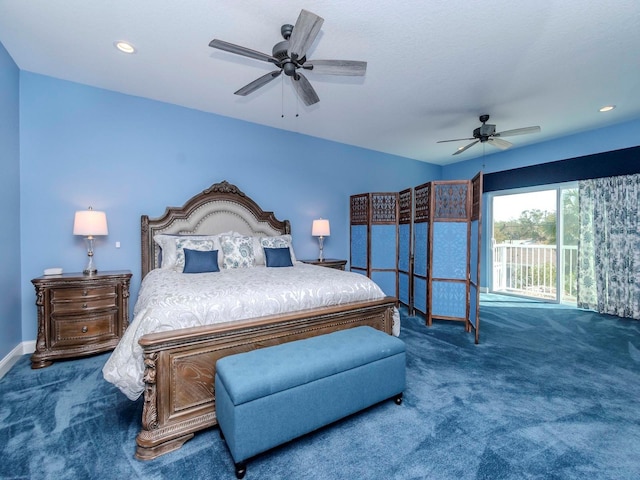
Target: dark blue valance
608 164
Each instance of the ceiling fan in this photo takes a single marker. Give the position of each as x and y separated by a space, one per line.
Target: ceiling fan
487 133
290 56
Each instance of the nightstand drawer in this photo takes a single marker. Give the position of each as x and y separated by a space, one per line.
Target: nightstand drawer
66 294
83 305
80 330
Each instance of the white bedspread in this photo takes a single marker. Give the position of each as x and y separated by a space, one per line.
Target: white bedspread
169 300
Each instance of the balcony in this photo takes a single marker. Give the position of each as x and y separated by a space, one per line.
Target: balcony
530 270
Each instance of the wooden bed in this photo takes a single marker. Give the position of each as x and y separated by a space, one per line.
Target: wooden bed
180 365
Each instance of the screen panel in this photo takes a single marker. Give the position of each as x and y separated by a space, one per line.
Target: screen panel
386 281
403 294
404 238
359 246
449 250
420 249
383 247
474 245
473 310
449 299
420 294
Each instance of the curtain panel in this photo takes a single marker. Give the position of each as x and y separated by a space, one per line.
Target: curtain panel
609 245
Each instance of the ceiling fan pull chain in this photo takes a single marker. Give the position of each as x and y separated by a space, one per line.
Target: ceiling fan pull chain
297 106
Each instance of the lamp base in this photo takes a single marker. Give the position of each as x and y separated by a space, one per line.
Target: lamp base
321 245
90 269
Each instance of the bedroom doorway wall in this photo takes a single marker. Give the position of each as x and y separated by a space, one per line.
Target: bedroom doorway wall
534 243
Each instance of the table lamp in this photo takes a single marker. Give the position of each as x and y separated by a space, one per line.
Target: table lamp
90 223
321 229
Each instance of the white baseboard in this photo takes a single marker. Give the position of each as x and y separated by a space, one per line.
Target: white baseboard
23 348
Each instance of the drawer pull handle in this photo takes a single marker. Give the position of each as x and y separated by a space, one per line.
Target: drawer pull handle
85 329
84 305
85 293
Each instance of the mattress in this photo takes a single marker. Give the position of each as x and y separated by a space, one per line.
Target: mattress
170 300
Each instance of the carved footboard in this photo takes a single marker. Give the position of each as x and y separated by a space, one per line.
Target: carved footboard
180 366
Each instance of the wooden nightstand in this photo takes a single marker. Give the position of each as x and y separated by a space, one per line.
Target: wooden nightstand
327 262
79 315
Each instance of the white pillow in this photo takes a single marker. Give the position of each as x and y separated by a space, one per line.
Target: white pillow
237 251
258 252
279 241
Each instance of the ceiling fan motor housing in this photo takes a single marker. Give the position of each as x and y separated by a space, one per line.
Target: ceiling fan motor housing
487 129
484 131
281 50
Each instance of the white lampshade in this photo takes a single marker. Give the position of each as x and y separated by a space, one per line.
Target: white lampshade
321 228
90 223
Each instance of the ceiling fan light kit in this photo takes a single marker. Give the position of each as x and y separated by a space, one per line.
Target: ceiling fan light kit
486 133
290 56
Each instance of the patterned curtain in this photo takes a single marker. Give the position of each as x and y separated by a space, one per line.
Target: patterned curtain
609 246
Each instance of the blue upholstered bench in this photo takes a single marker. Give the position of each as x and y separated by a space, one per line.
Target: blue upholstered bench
269 396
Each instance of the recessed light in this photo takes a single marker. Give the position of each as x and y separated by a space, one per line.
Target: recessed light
607 108
125 47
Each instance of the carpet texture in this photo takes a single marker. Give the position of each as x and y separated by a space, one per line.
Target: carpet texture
550 393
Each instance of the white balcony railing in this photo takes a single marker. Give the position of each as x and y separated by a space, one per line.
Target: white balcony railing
530 270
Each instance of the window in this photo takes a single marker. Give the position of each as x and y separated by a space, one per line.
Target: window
528 256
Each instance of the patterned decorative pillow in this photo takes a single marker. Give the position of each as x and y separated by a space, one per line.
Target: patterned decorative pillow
279 241
237 251
167 243
203 244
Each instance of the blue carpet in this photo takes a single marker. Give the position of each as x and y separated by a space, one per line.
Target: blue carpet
550 393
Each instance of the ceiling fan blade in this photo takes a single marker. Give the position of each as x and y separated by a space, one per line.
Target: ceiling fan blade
455 140
462 149
238 50
304 90
338 67
304 33
517 131
499 143
258 82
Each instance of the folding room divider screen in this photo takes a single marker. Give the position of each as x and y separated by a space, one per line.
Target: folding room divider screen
374 239
422 245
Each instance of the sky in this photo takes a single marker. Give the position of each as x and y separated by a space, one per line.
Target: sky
507 207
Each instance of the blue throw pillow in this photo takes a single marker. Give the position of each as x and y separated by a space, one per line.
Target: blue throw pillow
278 257
196 261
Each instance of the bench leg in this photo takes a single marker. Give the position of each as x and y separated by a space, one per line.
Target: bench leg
241 470
398 399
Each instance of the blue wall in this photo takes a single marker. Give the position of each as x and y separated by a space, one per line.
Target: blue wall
10 294
130 156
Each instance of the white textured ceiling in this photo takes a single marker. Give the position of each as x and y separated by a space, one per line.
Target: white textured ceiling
433 66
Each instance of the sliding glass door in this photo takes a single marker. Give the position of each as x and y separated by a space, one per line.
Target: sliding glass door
534 242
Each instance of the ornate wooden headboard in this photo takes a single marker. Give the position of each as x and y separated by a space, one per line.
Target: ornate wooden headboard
223 207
